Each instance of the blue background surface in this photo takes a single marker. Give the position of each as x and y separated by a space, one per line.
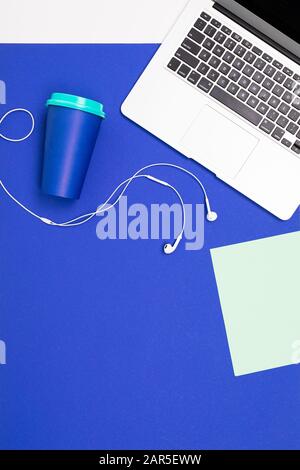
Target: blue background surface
111 344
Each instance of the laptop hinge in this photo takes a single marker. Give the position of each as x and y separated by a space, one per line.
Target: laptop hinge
255 31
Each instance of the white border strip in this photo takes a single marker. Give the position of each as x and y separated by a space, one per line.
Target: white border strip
90 21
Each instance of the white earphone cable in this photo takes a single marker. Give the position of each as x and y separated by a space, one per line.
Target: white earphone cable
129 180
102 208
172 165
82 219
18 202
16 110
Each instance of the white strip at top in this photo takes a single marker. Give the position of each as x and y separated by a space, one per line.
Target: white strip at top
90 21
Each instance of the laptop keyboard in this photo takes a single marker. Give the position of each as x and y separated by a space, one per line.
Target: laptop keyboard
242 77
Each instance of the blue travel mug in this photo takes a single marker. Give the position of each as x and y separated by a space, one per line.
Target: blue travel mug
72 128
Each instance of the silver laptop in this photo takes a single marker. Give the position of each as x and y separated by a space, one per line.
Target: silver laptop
224 90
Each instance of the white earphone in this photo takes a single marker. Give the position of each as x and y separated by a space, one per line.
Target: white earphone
211 216
169 248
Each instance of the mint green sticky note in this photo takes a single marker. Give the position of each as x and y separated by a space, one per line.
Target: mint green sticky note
259 290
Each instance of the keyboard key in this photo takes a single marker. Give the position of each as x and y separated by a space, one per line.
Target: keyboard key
249 57
279 77
220 37
233 88
210 31
205 16
286 142
200 24
292 86
282 121
174 64
186 57
258 77
294 115
296 147
277 64
230 44
224 68
235 105
223 81
292 128
239 50
191 46
269 70
194 77
284 108
278 90
234 75
203 68
268 84
208 44
218 50
273 101
262 108
289 84
253 102
248 70
272 115
289 72
228 57
267 126
204 55
267 58
254 88
296 77
296 103
287 97
278 133
196 36
246 43
244 82
226 30
236 37
214 62
259 64
238 64
256 50
243 95
296 90
264 95
213 75
184 70
215 23
205 84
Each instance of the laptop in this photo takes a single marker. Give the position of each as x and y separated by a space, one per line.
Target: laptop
224 90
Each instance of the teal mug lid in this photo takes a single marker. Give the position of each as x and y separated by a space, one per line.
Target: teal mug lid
77 102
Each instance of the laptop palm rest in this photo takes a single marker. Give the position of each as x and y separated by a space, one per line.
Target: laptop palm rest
227 145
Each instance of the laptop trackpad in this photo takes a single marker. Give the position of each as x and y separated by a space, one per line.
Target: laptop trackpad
214 139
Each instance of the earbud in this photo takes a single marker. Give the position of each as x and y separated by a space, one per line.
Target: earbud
211 216
169 248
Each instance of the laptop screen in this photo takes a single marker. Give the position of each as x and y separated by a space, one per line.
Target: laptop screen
282 14
277 19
